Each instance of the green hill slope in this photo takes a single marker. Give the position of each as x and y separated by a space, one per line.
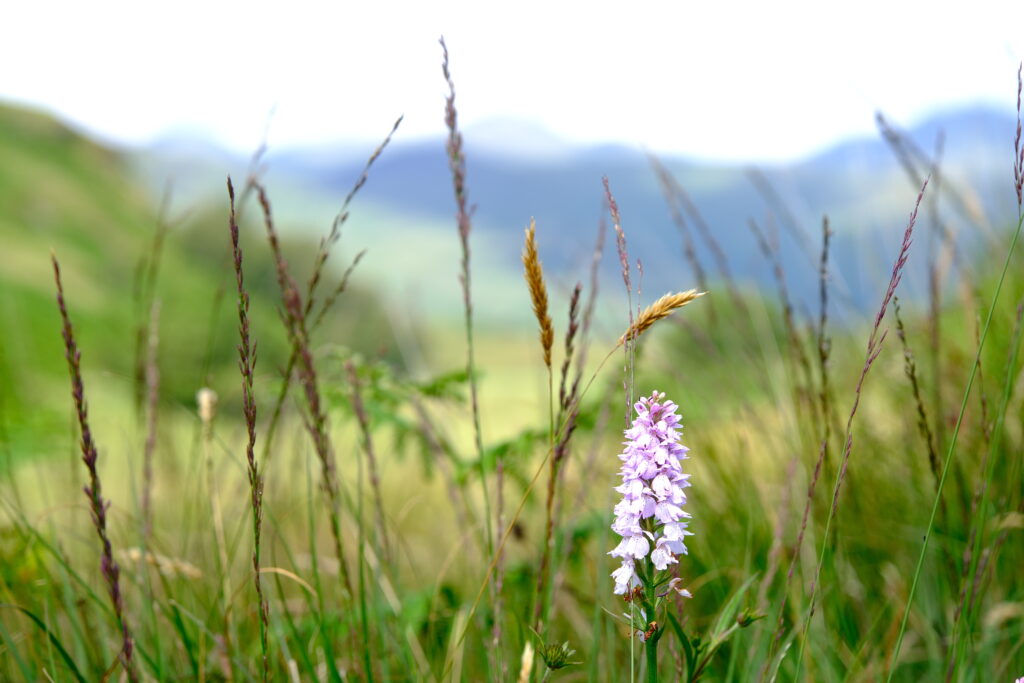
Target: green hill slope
64 194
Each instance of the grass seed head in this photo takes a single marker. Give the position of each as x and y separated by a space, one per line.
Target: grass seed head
658 310
534 274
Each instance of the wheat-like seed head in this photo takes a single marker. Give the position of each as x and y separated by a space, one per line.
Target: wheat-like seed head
658 310
538 291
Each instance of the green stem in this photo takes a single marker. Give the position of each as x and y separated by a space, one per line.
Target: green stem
949 453
652 659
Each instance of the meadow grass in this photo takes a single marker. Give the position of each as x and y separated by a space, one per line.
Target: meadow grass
373 522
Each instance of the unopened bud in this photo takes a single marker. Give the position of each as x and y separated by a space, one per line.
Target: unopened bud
206 400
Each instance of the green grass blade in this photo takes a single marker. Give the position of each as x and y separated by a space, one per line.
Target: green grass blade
26 673
72 667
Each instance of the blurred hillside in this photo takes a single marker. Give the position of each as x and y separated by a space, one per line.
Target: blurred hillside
65 194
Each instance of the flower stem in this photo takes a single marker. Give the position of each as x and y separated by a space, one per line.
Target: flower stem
652 660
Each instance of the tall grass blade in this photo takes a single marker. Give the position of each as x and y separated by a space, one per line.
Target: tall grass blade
53 639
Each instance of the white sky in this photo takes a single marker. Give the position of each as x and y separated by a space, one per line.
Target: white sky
755 80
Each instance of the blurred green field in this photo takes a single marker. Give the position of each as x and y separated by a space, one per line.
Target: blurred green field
748 380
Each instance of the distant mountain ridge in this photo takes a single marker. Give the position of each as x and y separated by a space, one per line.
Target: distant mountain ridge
859 184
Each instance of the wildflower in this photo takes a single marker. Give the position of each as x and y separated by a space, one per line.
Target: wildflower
650 518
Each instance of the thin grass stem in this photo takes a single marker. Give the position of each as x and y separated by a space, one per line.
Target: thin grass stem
949 453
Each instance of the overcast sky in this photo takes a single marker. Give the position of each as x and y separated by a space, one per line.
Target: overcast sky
758 80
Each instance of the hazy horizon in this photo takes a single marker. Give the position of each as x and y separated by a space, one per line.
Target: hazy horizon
753 82
499 135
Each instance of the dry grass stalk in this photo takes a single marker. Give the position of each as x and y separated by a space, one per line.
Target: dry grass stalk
246 365
93 490
824 342
534 274
689 246
561 450
568 411
942 255
359 408
795 556
923 426
1018 149
704 230
620 238
339 220
457 166
1018 155
770 249
316 421
910 369
588 309
916 162
778 206
874 348
975 555
152 400
620 245
323 251
564 397
143 292
661 308
338 290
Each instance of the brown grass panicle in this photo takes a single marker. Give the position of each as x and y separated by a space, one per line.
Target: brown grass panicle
689 246
323 252
93 490
246 366
661 308
152 406
362 417
823 341
457 166
910 370
620 238
293 315
565 394
533 271
1018 149
463 219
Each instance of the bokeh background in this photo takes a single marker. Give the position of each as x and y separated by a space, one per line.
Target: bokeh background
714 124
